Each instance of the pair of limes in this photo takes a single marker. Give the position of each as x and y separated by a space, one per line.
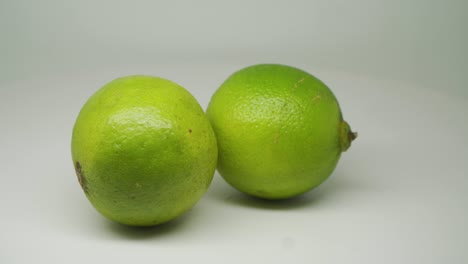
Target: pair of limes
145 152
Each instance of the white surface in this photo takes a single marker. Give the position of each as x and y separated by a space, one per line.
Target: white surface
397 196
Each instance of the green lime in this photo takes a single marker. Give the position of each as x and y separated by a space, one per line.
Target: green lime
144 151
280 131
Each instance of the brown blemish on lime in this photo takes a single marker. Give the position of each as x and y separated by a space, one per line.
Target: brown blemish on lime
316 98
296 84
275 138
190 130
81 178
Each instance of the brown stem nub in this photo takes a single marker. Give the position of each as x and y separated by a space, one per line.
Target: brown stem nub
352 135
346 136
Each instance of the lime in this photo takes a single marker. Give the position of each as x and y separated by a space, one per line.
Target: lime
144 151
280 131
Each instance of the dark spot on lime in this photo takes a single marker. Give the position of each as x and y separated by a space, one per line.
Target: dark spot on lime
81 178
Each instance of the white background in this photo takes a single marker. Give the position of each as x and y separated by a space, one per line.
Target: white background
399 195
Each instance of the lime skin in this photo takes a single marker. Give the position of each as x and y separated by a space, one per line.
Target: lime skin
143 150
279 129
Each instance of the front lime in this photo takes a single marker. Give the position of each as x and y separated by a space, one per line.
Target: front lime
280 131
143 150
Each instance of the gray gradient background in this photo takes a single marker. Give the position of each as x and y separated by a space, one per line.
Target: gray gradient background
398 68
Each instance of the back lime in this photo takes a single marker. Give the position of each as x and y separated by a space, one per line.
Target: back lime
280 131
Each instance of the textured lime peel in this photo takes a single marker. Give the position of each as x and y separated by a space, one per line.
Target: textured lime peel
144 151
279 129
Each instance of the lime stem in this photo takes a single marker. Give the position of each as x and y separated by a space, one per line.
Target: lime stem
346 136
